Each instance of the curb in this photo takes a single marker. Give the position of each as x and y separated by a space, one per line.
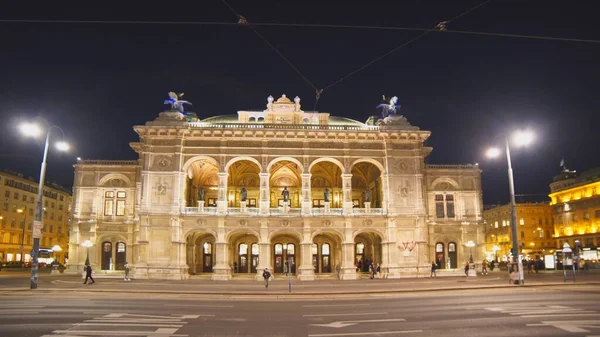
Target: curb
283 294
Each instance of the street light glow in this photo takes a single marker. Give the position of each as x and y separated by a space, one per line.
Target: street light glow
30 129
523 138
493 152
62 146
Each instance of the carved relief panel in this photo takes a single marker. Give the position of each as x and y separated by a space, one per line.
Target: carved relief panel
163 163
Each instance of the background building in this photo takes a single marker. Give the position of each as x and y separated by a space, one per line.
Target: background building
280 188
18 212
575 201
535 231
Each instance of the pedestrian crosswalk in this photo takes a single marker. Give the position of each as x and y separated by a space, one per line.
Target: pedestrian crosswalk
124 324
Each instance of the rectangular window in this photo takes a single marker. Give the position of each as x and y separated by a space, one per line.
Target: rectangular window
439 205
108 206
109 194
120 207
450 205
120 194
7 194
16 196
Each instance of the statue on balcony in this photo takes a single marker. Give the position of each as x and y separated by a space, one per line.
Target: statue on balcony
286 194
176 103
200 193
367 195
243 194
326 194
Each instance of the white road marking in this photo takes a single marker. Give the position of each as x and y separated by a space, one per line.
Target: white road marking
199 305
119 315
561 315
130 324
347 314
570 326
333 305
363 333
158 333
342 324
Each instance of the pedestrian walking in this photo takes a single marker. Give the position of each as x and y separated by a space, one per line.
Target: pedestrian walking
378 271
266 275
467 268
338 270
88 274
484 264
433 268
371 272
126 266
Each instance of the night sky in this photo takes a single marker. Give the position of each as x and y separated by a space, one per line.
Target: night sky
96 81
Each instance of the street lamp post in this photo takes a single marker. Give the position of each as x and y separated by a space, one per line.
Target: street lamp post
521 138
30 129
470 244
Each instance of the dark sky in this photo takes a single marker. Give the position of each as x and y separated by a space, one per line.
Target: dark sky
98 80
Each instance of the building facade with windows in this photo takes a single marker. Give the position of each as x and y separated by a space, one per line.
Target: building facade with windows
575 202
282 188
17 215
535 230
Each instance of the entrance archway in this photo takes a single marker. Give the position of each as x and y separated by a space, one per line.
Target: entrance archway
440 256
326 176
245 251
201 253
326 252
452 257
367 250
286 253
106 255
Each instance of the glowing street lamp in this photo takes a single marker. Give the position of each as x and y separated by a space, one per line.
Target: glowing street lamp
87 244
34 130
520 138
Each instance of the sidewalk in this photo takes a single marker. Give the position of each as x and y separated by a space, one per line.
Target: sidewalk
16 282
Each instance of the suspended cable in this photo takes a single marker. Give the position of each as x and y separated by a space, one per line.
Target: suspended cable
305 25
439 27
243 21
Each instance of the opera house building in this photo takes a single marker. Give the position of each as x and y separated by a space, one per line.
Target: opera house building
281 188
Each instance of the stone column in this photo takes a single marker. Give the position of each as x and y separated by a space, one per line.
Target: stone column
264 254
306 271
348 268
306 194
385 193
390 251
265 202
221 269
347 193
222 193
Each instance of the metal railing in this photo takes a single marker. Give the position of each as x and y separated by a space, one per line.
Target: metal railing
281 126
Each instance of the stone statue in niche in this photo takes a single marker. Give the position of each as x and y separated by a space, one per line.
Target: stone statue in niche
243 194
286 194
326 194
367 195
200 193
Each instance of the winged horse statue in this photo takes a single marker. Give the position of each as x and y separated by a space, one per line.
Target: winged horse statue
176 103
389 108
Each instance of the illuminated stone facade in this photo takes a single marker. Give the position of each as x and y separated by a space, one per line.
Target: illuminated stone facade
535 230
18 208
228 196
575 201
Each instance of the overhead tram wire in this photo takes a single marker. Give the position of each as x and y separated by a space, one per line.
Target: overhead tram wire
302 25
439 27
243 21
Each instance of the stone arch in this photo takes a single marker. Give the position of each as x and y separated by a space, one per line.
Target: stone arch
368 231
447 180
278 159
192 231
117 176
248 158
286 231
190 161
242 231
335 232
111 237
328 159
371 161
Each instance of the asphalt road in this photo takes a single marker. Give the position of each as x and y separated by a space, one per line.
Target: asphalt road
546 311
